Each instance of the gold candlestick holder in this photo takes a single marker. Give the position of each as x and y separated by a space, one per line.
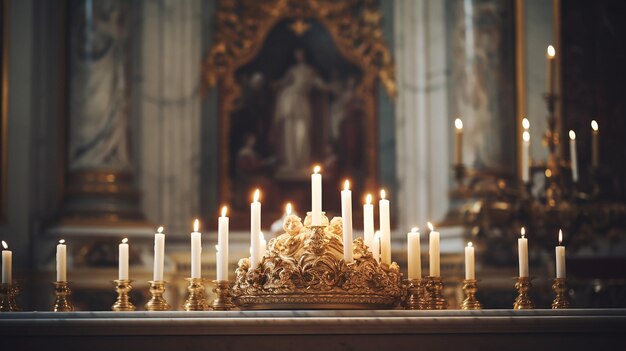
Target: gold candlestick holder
157 302
8 294
523 301
434 293
223 301
196 300
415 299
62 292
560 289
470 286
123 304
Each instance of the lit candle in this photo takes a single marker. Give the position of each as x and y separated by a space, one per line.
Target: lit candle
196 251
525 123
525 156
433 252
222 246
560 257
572 154
316 197
595 156
7 269
385 229
368 222
469 262
288 209
61 261
255 230
414 259
550 57
522 247
346 215
159 255
123 260
458 124
376 246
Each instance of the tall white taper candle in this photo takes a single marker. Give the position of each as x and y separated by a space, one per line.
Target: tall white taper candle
385 229
469 262
433 252
61 261
560 257
316 197
414 258
346 215
159 255
368 222
123 260
222 246
255 231
522 247
196 251
7 269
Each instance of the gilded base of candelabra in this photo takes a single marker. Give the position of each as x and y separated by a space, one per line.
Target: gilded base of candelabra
196 300
123 304
523 301
8 294
470 286
434 294
223 301
560 289
415 295
62 302
157 302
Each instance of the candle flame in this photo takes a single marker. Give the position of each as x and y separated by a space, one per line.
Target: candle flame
160 230
458 124
430 226
594 125
551 51
415 230
572 135
526 136
125 241
469 244
4 244
382 194
377 235
196 225
317 169
62 241
525 123
548 173
217 248
523 232
257 195
346 185
560 236
224 210
368 199
288 209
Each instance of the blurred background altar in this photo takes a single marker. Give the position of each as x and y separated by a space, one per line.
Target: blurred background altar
121 116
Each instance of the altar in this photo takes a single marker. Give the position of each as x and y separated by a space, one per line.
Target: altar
316 330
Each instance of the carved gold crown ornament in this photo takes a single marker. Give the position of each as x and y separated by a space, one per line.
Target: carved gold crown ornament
304 268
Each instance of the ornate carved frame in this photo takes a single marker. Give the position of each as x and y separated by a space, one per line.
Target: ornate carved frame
242 26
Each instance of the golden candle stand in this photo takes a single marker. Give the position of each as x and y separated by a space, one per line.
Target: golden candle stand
470 286
223 300
123 304
523 301
62 293
560 289
196 300
157 302
8 294
434 294
415 298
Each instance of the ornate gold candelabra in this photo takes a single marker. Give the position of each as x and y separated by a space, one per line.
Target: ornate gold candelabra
62 302
560 289
434 294
196 300
523 301
8 294
223 301
470 286
123 304
157 302
415 298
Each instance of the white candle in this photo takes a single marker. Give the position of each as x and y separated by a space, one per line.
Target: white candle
522 247
458 131
159 255
433 252
316 197
255 230
385 229
123 260
414 259
61 261
7 269
368 222
469 262
573 157
222 246
376 246
346 215
595 156
288 209
560 257
196 251
550 58
525 156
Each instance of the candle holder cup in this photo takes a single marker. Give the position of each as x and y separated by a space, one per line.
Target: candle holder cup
523 300
415 298
196 300
434 294
123 304
8 295
157 302
470 286
62 301
223 301
561 301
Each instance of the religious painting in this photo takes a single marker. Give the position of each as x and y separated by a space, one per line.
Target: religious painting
297 88
4 64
